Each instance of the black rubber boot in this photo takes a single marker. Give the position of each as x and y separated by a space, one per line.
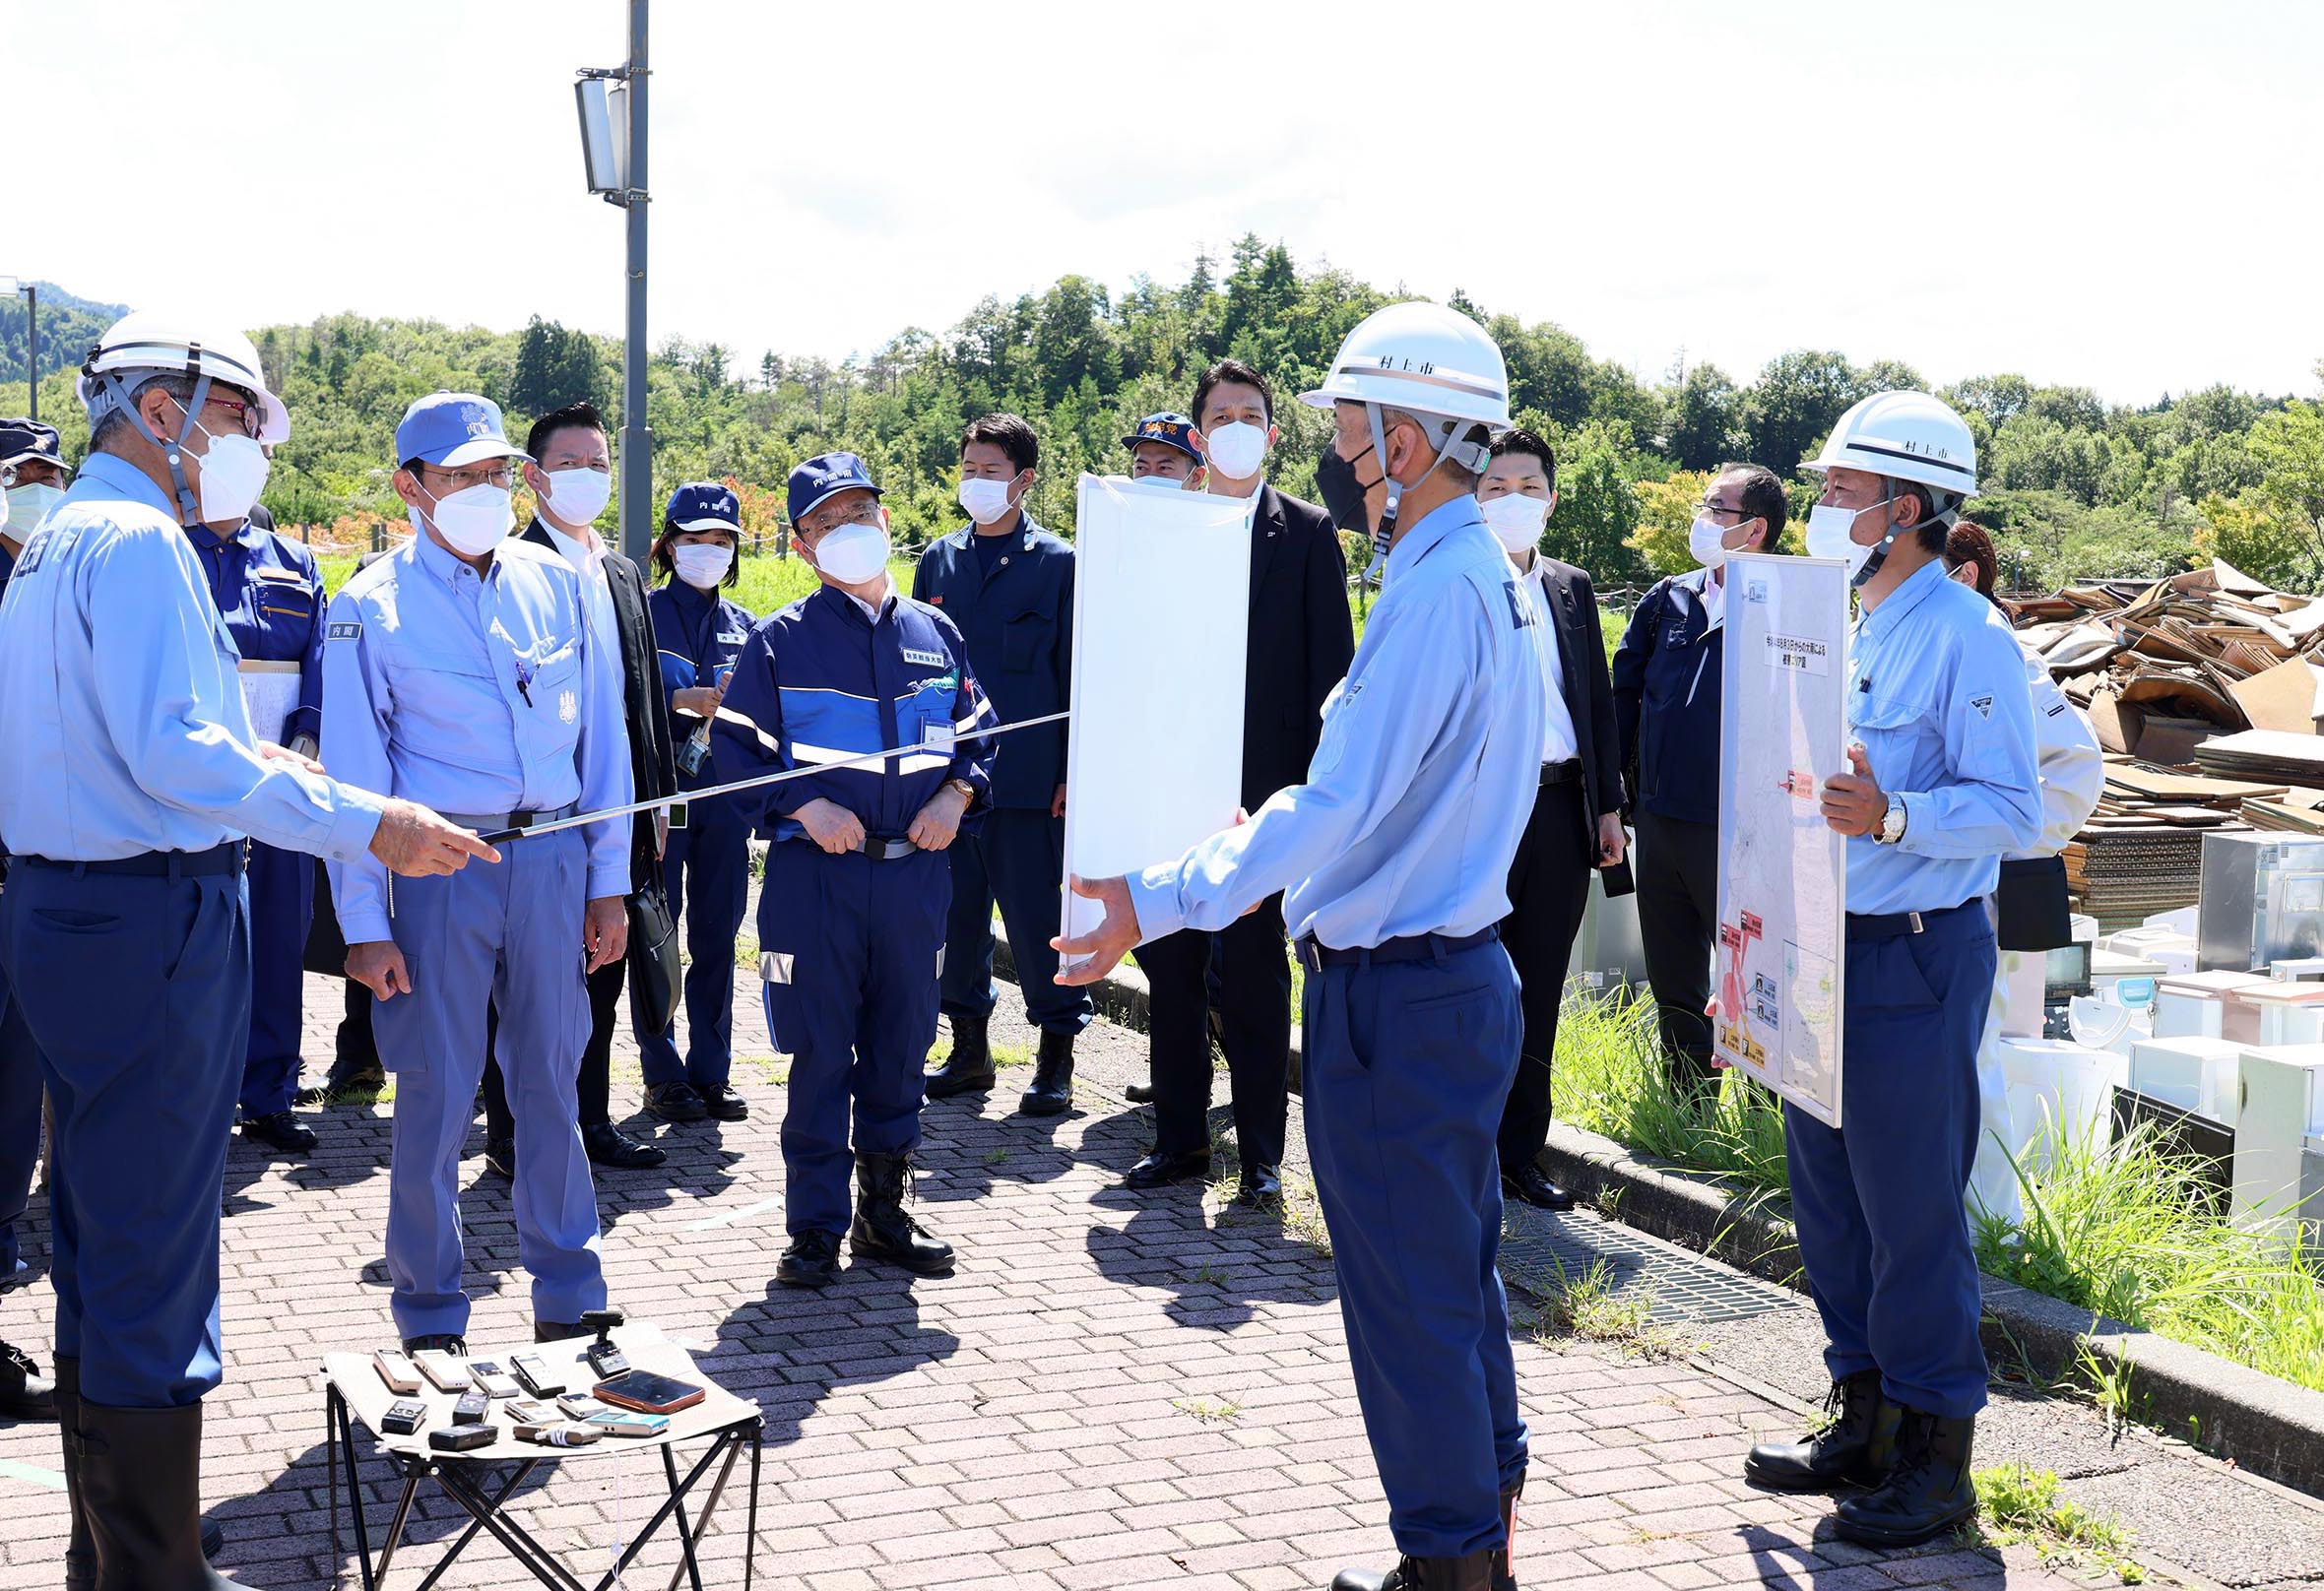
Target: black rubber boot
140 1486
1471 1573
812 1260
1857 1448
968 1069
1052 1093
1505 1570
1927 1494
881 1230
80 1547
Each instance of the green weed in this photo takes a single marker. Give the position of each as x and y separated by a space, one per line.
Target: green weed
2018 1503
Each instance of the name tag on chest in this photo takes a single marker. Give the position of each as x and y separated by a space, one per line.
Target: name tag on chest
926 660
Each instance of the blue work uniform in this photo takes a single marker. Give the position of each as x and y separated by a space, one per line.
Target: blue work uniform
486 697
1013 596
1937 697
20 1090
130 786
706 865
270 593
1397 853
850 945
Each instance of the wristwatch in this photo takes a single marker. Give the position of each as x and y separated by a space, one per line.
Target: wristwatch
1892 823
968 791
304 746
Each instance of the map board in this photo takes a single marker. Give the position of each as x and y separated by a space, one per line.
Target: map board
1161 613
1782 871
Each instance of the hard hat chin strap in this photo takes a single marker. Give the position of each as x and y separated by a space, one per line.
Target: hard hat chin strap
189 509
1375 572
1946 517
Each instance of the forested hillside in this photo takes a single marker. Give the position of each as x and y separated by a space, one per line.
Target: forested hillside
2076 486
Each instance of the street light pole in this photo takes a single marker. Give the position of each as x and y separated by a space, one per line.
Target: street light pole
32 351
638 441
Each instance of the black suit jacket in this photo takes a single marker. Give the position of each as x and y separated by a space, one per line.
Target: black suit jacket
652 768
1301 640
1588 687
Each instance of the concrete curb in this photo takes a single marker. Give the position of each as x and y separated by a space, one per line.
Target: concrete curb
2264 1426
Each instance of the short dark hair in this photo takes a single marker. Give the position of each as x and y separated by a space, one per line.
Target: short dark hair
116 420
1531 444
414 464
1007 432
1763 498
583 415
1928 528
1242 375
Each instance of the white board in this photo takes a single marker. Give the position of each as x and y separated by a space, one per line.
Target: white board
1783 872
1161 612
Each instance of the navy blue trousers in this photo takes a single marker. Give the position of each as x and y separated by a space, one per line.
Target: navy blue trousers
1017 860
20 1125
281 905
136 991
707 866
1878 1201
1408 1064
848 951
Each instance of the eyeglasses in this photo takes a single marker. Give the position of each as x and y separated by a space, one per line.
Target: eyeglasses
861 513
1707 506
502 473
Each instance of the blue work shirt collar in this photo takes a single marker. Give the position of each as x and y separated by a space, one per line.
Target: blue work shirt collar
692 595
1026 531
442 564
1436 524
246 536
1878 621
125 480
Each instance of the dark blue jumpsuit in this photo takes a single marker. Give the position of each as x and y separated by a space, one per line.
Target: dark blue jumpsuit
699 635
270 593
850 945
20 1084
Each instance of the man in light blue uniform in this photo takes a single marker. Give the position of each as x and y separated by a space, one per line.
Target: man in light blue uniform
460 668
132 780
1942 783
1396 855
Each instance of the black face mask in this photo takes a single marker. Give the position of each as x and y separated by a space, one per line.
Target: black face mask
1344 497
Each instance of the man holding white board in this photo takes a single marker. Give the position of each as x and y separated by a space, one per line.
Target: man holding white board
1941 785
1395 853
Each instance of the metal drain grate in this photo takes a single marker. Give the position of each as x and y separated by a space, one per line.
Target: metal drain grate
1542 1252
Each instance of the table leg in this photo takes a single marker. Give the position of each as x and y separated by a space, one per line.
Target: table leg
499 1498
750 1541
678 1493
731 1441
521 1546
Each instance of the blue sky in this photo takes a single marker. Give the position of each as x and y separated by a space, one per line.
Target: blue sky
2117 195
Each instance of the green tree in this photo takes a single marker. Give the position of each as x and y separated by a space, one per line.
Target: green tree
1705 419
1793 405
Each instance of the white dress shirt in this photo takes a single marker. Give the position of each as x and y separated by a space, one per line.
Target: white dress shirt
1558 740
587 558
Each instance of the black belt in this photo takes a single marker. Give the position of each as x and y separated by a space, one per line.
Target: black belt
1890 924
218 858
1315 955
494 823
883 850
1568 772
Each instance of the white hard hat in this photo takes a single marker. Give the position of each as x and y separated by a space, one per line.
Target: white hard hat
1424 360
1904 437
147 343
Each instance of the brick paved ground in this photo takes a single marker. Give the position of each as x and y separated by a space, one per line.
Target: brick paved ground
1113 1391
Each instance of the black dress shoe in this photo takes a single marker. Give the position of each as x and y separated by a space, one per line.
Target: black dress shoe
500 1156
724 1104
25 1393
1260 1185
1471 1573
1139 1092
610 1146
1158 1170
1857 1446
437 1342
1052 1093
1530 1183
363 1077
280 1129
213 1539
968 1068
812 1260
1927 1494
675 1101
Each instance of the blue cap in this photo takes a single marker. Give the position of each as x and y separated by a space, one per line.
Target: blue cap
823 477
449 429
1171 430
704 505
22 440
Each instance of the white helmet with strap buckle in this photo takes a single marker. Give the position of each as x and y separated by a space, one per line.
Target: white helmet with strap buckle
1433 363
143 345
1904 437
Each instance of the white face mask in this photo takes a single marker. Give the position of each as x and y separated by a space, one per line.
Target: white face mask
987 501
578 496
1831 534
233 474
854 553
1236 451
701 564
28 503
1515 519
1706 540
473 520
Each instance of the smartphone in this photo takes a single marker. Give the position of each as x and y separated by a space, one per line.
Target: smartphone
447 1371
628 1423
558 1436
534 1371
579 1406
649 1393
473 1406
459 1438
493 1380
534 1412
395 1368
403 1416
